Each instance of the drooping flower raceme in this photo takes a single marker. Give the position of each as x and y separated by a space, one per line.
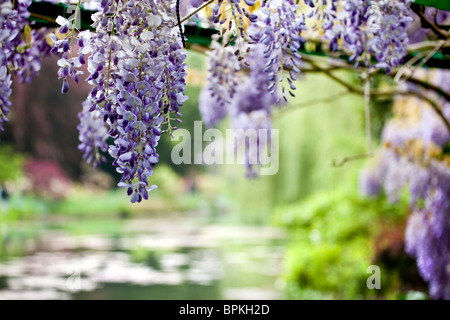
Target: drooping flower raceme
388 37
5 88
223 68
69 63
93 134
232 16
251 110
250 105
12 22
21 50
367 29
245 79
211 111
279 30
137 70
7 34
428 231
251 119
35 49
415 157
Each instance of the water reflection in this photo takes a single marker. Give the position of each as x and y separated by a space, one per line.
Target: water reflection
149 260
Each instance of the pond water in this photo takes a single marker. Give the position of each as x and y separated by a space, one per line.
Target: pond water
173 257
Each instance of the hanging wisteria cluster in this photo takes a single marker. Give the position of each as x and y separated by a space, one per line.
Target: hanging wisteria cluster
134 56
21 50
138 74
135 61
93 134
370 30
415 156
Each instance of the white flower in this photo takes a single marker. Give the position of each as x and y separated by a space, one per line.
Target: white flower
147 35
5 8
154 21
145 47
96 16
62 21
135 42
131 63
63 62
85 34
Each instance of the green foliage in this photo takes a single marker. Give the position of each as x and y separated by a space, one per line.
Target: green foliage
168 197
332 243
84 203
196 60
331 228
313 134
25 206
10 164
80 203
111 227
249 201
380 107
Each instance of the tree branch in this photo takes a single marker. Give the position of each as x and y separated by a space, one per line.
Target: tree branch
345 65
312 102
42 17
344 160
429 86
196 10
427 23
435 107
426 45
390 93
328 73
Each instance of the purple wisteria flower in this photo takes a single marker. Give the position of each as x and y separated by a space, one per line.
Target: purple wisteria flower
230 15
5 89
137 70
428 233
369 29
414 158
372 177
251 111
18 44
69 63
279 30
223 68
211 111
93 134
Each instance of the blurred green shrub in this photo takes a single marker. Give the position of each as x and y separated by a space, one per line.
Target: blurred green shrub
10 164
332 244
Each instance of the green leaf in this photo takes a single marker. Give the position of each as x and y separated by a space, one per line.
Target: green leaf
440 4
